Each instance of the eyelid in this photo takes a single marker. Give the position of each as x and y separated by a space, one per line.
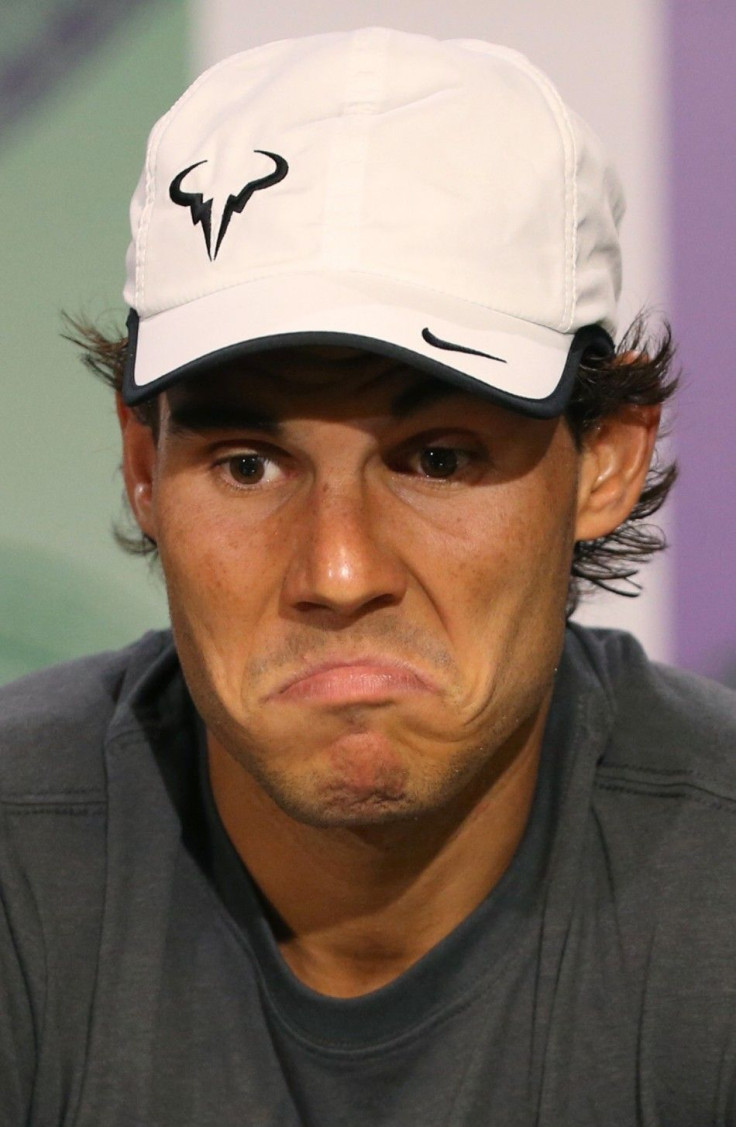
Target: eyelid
248 443
450 438
444 431
222 450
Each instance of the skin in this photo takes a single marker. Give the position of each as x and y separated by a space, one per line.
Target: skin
328 508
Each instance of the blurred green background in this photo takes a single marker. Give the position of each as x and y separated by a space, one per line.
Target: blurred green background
69 160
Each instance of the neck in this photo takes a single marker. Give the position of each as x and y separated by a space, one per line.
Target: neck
354 908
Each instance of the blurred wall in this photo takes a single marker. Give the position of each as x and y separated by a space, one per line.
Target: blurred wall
68 165
703 239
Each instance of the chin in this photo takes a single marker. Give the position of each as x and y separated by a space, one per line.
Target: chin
361 781
345 810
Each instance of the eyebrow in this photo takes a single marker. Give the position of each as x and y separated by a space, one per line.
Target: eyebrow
420 395
199 417
193 418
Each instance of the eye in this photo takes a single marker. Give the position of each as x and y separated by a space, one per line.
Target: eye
250 468
442 461
443 456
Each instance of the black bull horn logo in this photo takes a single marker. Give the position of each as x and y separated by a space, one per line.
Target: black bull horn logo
201 208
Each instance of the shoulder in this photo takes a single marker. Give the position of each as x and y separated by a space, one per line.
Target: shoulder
54 863
670 727
660 853
53 723
663 813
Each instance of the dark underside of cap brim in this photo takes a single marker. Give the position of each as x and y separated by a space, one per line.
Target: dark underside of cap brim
590 337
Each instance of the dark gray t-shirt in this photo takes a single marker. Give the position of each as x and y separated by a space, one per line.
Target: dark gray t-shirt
141 984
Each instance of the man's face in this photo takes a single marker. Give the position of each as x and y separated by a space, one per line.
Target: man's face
367 572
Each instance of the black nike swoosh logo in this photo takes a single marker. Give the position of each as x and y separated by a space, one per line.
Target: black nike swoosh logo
436 342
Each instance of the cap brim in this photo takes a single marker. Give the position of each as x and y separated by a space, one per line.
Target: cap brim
523 366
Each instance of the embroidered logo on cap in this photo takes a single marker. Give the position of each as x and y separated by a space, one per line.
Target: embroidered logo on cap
437 342
201 209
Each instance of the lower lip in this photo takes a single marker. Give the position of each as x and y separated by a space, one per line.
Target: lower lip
352 683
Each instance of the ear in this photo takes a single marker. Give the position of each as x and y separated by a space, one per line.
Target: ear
139 466
615 459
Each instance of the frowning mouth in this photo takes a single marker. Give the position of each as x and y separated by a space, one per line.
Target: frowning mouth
353 681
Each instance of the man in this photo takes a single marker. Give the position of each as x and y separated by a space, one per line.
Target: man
375 839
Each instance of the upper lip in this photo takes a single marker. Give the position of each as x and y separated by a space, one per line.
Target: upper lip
363 659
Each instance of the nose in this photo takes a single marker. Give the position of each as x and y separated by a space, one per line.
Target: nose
343 562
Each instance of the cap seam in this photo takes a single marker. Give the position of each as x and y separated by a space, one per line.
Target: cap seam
343 205
145 219
567 137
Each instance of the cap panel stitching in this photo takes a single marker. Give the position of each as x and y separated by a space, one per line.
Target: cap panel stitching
569 149
345 193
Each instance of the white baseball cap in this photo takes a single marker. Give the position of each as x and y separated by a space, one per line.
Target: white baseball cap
431 201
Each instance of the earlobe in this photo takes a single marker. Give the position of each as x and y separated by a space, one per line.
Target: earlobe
615 460
139 467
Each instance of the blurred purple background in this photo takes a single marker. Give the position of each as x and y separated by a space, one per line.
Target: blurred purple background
703 269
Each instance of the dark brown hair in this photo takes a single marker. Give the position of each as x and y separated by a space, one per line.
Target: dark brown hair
639 374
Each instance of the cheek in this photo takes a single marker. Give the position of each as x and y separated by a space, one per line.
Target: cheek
507 581
209 550
218 587
517 541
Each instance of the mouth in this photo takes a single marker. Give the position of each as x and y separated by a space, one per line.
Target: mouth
362 680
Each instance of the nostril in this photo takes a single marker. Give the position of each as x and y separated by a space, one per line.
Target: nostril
346 610
381 601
